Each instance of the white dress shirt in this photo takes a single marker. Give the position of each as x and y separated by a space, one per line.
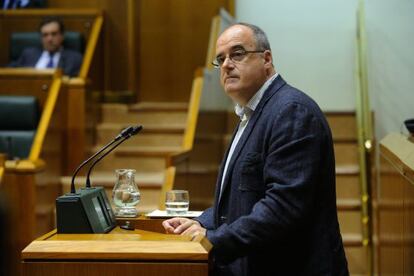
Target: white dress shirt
45 58
244 112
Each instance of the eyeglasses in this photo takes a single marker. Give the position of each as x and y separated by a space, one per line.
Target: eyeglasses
235 56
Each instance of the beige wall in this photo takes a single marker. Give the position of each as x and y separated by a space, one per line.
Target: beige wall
313 44
390 34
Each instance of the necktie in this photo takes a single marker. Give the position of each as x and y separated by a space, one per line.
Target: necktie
50 63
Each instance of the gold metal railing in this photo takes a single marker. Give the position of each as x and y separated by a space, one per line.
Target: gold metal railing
47 114
365 136
1 172
214 33
193 108
191 123
90 47
220 21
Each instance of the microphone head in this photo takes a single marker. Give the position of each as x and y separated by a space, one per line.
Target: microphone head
135 130
124 133
128 132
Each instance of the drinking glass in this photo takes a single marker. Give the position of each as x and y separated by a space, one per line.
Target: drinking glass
177 202
125 194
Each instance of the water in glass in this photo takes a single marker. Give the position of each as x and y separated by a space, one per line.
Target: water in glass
125 194
177 202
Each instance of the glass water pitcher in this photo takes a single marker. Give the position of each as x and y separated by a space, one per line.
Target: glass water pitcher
125 194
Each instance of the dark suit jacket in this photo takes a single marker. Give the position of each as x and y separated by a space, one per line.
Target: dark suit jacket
70 61
31 4
277 213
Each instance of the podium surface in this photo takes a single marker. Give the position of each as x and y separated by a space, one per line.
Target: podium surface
119 252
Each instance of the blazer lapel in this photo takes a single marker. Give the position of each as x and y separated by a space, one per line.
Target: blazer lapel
271 90
62 60
239 147
222 165
31 60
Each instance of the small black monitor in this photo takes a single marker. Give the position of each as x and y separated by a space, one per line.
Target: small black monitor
87 211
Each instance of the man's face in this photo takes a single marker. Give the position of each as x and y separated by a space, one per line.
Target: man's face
52 38
241 79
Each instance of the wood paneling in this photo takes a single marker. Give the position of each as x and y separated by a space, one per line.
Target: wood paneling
119 252
173 39
115 269
22 214
70 4
395 206
114 39
118 61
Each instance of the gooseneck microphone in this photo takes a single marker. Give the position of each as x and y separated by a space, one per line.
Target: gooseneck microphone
124 133
131 132
89 209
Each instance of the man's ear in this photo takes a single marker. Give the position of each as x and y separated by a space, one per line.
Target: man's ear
268 58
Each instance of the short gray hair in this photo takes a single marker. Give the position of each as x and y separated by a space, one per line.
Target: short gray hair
260 36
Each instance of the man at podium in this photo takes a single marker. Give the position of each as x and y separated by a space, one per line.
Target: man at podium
275 206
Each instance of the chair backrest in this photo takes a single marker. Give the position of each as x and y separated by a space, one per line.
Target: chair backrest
19 116
22 40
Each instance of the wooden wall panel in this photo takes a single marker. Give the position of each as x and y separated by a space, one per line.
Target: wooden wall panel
173 39
68 4
114 38
116 43
394 208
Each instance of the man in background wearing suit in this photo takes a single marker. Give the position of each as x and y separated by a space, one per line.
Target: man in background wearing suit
22 4
53 54
275 206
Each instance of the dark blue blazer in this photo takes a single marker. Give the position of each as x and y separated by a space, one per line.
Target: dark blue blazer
70 61
30 4
277 213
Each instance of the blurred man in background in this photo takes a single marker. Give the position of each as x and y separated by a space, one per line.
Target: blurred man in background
53 54
22 4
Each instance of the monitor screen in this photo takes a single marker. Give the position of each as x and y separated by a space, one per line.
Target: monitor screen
98 208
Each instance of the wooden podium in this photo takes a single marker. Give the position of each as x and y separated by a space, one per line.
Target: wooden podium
119 252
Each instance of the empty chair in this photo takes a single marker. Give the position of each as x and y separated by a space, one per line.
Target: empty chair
19 116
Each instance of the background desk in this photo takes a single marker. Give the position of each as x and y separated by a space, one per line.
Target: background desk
120 252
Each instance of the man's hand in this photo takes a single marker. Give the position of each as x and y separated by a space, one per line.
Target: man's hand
183 226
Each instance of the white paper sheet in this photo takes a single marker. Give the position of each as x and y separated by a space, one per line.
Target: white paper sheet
163 214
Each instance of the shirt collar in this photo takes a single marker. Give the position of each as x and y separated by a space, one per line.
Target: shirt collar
244 112
47 53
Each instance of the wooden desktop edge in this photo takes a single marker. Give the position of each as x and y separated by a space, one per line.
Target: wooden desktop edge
139 244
